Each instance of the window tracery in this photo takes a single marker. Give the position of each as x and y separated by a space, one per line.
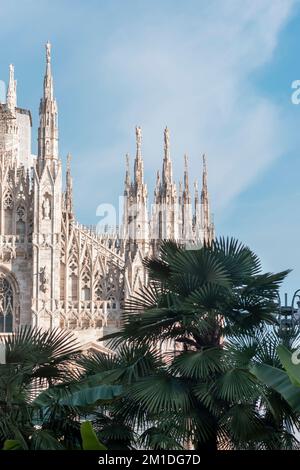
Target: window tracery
6 305
8 201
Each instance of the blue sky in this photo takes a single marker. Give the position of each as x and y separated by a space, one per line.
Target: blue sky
218 73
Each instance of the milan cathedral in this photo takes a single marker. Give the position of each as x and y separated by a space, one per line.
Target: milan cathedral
55 272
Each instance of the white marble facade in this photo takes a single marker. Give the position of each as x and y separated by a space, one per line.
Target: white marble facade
55 272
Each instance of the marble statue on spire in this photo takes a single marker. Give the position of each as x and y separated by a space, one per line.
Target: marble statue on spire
167 138
138 133
11 97
48 52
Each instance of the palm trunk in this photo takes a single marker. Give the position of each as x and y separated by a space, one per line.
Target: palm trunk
211 444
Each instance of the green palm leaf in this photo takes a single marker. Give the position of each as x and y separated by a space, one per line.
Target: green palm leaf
236 385
198 364
161 393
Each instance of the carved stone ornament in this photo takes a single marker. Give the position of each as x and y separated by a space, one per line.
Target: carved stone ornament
46 208
44 280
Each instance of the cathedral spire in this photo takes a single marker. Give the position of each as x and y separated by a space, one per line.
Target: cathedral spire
187 218
167 164
135 220
166 214
138 163
207 226
11 97
48 130
204 192
48 79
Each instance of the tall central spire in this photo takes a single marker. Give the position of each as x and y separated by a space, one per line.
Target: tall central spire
138 163
48 79
48 130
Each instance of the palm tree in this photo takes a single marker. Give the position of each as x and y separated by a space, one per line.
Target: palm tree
43 397
197 301
35 359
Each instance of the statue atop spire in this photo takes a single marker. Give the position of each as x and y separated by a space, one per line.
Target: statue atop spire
48 80
11 97
167 164
48 52
138 133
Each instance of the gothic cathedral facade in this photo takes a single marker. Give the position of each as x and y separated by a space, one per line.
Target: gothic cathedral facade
55 272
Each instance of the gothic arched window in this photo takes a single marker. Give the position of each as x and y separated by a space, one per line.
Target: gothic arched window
100 288
73 287
6 306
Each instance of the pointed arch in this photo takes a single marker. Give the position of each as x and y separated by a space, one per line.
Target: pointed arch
9 301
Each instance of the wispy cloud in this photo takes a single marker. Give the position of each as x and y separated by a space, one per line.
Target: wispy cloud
189 65
194 72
